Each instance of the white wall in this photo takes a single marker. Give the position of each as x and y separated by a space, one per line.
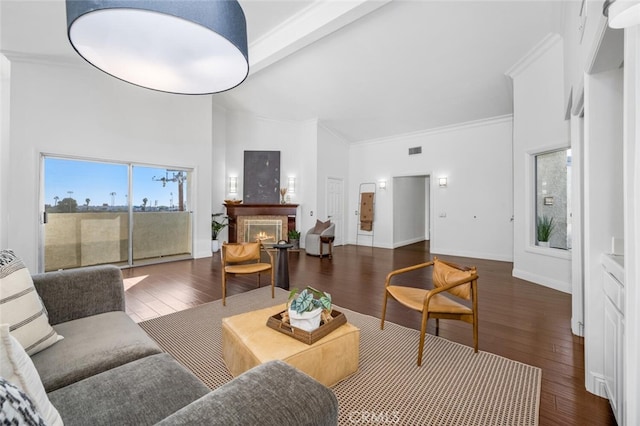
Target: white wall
579 35
409 224
219 176
78 111
332 162
297 143
603 204
538 126
5 161
631 222
476 158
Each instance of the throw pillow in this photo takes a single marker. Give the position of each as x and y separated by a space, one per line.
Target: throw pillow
16 408
17 368
320 226
21 307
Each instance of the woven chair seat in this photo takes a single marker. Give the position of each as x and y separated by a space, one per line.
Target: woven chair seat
413 298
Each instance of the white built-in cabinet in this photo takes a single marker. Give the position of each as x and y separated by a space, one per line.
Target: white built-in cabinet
613 289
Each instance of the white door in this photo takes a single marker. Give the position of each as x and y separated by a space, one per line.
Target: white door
335 206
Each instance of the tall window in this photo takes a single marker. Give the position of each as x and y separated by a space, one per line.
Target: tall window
553 199
99 212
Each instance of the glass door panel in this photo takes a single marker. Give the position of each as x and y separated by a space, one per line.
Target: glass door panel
161 218
87 218
91 218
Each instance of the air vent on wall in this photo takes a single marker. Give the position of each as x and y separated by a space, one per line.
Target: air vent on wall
415 150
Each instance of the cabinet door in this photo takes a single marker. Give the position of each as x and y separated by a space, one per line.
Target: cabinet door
611 326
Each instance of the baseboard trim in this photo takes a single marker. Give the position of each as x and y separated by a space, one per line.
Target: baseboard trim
595 384
543 281
407 242
472 254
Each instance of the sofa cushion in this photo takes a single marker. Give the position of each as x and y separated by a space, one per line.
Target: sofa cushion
17 368
142 392
92 345
279 395
21 306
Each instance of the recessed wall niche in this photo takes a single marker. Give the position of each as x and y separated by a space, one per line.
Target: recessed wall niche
261 177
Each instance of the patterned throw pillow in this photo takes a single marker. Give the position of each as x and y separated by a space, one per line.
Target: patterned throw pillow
16 408
21 307
17 368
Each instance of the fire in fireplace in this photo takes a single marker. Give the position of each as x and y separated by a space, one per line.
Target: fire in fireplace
269 231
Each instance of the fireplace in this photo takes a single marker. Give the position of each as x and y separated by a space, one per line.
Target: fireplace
239 213
268 229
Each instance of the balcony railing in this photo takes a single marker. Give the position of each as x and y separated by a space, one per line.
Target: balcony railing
73 240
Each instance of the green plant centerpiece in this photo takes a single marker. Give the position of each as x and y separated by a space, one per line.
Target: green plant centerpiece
218 223
544 228
294 238
306 308
294 234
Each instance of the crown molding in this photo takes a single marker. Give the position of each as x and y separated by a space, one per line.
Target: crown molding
536 52
332 132
41 59
507 118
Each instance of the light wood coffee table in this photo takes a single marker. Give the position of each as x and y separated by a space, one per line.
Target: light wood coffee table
247 341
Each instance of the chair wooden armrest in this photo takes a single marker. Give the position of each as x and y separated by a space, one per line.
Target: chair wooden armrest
269 253
405 270
448 287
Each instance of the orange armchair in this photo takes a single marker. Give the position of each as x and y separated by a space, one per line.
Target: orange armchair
458 281
244 258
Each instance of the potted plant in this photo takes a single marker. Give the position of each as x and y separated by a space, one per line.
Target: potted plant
294 238
544 229
307 308
218 223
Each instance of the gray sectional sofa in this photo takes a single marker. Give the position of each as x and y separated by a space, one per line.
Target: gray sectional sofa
108 371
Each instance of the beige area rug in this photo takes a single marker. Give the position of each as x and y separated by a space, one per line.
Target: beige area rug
454 386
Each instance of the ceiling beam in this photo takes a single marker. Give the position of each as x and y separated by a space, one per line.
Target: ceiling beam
313 23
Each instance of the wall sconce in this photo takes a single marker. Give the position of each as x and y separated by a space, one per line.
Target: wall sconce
291 185
233 184
382 184
442 182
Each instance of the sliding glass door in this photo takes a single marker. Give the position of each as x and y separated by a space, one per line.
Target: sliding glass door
161 220
124 214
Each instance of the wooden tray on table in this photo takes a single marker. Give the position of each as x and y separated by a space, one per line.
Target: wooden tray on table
308 337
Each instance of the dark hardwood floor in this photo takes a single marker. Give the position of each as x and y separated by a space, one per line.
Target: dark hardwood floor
517 319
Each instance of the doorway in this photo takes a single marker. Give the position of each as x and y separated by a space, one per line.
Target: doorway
335 207
411 209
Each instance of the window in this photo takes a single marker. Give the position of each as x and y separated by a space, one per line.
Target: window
553 199
123 214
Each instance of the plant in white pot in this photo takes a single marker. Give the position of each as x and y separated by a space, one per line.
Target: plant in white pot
544 229
294 238
307 308
218 223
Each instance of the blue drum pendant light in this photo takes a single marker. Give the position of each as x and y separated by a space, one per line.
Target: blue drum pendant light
176 46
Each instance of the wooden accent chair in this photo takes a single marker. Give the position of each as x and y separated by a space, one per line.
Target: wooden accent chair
461 282
244 258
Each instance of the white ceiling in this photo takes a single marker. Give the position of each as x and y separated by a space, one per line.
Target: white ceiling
366 69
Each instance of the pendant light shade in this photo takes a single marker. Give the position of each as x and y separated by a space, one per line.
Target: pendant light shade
176 46
622 13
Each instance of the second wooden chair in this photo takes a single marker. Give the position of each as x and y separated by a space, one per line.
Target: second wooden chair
244 258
